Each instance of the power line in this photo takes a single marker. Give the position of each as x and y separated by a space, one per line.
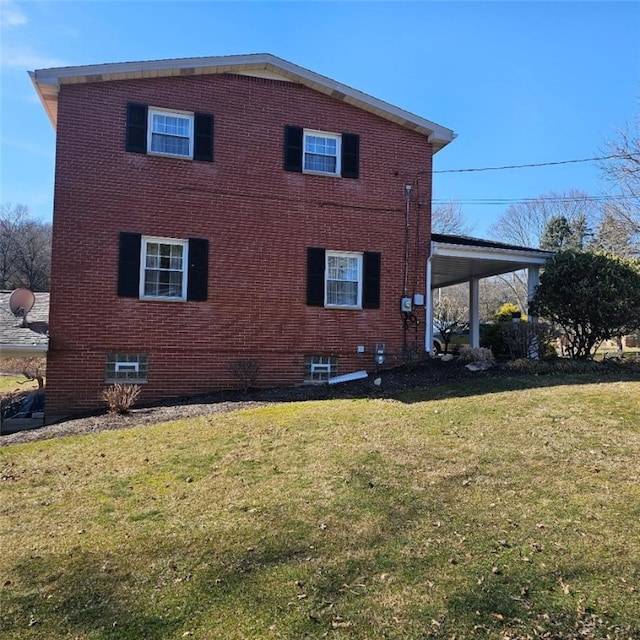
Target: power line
503 201
534 164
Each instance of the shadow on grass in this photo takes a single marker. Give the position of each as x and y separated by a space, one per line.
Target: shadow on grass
282 570
87 594
507 377
511 605
437 379
434 379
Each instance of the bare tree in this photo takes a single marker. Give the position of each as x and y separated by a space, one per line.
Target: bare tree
25 249
450 219
524 223
449 315
507 287
622 170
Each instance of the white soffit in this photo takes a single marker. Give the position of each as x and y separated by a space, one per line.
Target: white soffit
263 65
455 263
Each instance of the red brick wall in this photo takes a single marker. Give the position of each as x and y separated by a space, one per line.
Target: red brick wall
259 220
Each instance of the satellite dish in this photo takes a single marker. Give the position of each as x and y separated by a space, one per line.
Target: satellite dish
21 301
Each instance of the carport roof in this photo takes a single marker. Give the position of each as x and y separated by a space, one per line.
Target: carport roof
456 259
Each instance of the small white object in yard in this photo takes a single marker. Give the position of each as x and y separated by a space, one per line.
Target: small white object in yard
377 382
481 365
347 377
447 357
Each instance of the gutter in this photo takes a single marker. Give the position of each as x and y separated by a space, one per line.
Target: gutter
23 350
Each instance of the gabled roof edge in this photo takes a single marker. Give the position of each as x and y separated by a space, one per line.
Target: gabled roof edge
47 83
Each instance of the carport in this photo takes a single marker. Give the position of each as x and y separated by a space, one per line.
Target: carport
458 259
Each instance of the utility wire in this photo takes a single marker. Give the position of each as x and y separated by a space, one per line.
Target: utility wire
535 164
538 199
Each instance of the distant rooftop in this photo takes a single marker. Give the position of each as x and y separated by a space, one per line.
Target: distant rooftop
17 341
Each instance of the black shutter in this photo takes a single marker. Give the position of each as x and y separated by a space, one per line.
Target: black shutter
293 148
198 273
315 277
203 137
129 265
350 155
136 139
371 277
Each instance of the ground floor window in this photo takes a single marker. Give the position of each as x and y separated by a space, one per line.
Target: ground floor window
320 368
126 367
164 274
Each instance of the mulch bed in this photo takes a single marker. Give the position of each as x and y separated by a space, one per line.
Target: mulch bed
423 375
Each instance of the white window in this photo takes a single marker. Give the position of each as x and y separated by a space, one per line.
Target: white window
126 367
321 152
170 133
320 368
164 268
343 280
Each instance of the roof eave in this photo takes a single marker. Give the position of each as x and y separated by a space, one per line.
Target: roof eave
24 350
48 81
48 94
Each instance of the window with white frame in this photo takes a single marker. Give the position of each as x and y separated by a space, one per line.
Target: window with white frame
170 133
126 367
320 368
343 273
321 152
164 272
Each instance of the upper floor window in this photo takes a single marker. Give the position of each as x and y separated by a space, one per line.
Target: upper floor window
165 132
310 151
170 133
321 152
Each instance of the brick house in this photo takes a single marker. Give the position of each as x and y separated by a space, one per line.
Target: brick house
241 208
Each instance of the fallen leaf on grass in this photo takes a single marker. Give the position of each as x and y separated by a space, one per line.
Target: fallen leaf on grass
339 623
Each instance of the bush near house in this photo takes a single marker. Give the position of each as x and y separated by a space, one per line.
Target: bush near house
591 297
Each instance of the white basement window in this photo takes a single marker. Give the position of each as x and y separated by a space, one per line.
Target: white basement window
126 367
320 368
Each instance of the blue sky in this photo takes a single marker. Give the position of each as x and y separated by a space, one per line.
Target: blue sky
519 82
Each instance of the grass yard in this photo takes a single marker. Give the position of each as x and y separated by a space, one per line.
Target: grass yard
503 509
16 383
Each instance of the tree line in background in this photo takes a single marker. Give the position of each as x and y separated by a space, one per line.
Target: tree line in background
25 249
591 289
573 219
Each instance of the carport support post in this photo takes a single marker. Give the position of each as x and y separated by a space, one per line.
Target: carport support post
474 313
533 280
428 318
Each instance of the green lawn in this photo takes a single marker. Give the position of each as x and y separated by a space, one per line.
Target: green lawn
16 383
505 509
